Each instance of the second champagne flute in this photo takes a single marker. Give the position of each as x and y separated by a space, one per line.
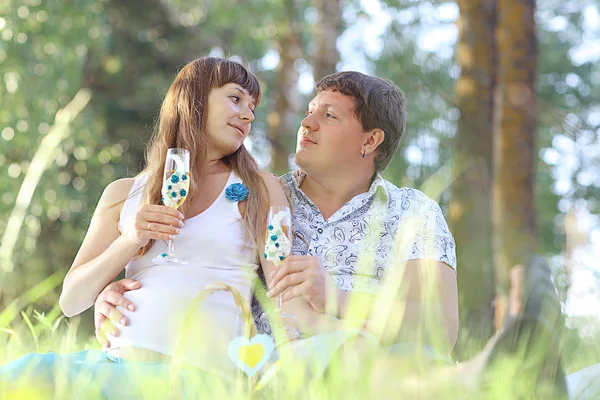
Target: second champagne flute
278 246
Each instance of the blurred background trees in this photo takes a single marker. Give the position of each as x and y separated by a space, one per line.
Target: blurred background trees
486 115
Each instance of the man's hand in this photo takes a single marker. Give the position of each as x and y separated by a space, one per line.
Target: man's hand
105 311
303 276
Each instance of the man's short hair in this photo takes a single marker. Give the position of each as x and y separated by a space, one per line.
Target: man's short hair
378 103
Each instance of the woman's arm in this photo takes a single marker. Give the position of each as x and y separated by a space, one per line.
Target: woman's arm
105 251
102 255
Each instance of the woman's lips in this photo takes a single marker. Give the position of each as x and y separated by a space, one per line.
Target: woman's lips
237 128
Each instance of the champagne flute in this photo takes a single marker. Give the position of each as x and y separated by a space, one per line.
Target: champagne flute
175 188
278 246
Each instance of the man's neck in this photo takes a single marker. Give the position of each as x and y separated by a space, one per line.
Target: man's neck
332 192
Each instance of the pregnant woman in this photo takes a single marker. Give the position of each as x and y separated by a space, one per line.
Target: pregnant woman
218 231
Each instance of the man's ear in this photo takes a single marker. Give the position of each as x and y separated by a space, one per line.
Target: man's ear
373 140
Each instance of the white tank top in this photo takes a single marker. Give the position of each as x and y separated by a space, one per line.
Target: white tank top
213 245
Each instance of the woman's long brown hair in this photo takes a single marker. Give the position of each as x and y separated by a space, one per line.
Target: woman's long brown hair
182 123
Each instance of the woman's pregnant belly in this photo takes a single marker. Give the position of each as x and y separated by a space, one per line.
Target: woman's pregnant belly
163 303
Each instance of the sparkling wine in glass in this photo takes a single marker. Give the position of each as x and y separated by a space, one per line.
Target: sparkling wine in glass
278 246
175 188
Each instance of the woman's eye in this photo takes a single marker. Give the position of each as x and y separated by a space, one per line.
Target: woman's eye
329 115
307 113
236 99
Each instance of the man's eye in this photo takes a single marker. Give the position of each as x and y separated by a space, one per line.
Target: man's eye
308 113
329 115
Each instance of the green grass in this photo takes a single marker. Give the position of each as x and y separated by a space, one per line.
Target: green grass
360 371
373 374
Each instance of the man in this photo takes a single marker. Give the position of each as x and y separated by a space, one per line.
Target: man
351 132
354 230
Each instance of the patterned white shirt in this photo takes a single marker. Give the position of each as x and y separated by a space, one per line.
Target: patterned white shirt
373 232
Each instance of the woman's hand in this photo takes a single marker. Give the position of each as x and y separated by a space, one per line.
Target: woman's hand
154 222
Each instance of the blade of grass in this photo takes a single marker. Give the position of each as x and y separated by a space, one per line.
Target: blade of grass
32 330
31 296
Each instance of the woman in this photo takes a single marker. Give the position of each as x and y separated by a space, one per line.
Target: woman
208 110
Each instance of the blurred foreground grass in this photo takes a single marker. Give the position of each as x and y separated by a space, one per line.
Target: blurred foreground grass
376 376
372 374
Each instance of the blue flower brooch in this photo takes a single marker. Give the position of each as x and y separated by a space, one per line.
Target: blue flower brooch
236 192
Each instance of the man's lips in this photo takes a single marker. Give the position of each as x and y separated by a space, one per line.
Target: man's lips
306 141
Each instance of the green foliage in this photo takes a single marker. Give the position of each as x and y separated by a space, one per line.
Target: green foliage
44 49
128 53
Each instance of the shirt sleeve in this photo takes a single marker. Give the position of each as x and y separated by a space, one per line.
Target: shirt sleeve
424 233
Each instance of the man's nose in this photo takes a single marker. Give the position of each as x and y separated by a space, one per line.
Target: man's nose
310 123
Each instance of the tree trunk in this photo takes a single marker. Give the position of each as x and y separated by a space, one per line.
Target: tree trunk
327 30
282 121
471 208
514 138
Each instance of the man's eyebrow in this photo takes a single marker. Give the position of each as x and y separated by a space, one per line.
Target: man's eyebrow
334 107
324 105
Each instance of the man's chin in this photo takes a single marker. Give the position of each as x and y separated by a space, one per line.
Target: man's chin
301 159
309 165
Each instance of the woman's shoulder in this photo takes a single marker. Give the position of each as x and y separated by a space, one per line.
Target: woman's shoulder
275 188
270 179
273 183
115 194
119 189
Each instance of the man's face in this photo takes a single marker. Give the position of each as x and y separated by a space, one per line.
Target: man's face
330 136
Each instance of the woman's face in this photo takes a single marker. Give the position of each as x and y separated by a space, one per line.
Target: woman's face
230 113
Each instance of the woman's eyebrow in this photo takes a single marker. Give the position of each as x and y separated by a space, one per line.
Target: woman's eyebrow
245 93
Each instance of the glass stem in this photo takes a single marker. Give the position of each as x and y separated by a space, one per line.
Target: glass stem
279 302
171 247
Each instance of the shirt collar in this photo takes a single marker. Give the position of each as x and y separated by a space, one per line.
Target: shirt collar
378 187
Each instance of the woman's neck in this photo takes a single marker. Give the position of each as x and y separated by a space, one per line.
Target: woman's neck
215 167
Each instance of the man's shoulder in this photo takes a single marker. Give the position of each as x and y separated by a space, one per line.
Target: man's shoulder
291 181
287 179
409 203
290 185
404 197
